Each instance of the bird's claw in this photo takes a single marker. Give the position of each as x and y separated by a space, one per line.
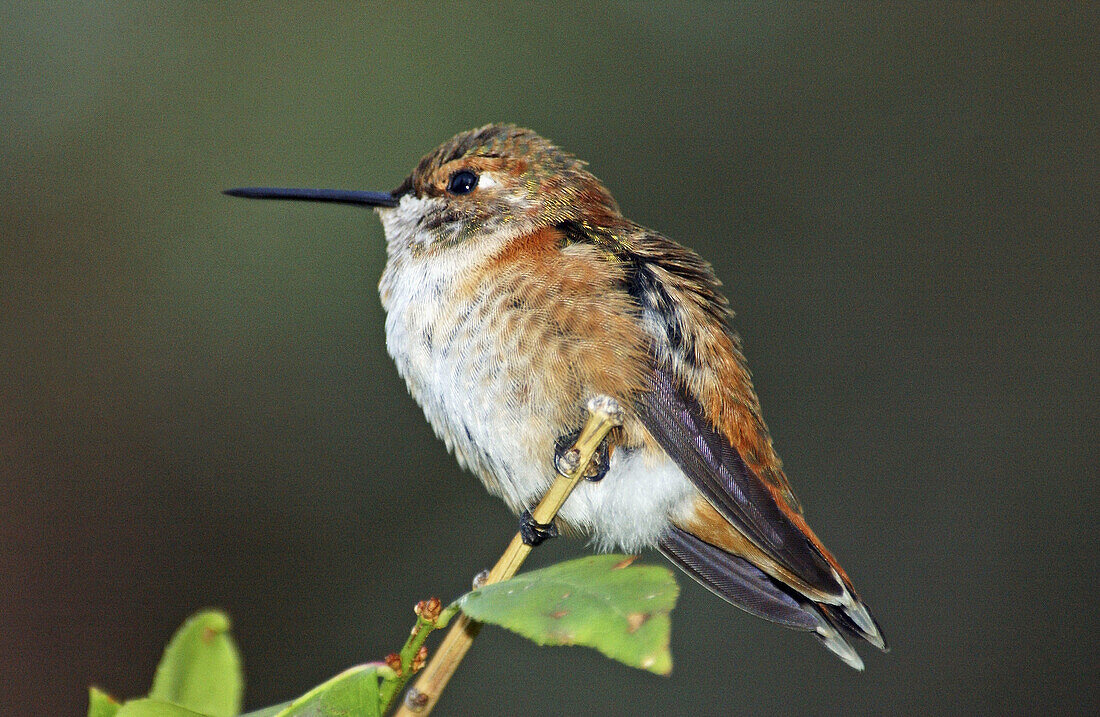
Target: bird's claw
597 469
534 532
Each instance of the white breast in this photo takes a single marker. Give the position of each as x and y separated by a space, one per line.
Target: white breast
452 366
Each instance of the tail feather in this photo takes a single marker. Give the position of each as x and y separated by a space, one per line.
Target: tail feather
833 639
735 580
742 584
843 618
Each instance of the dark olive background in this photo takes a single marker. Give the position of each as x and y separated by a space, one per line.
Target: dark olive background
196 405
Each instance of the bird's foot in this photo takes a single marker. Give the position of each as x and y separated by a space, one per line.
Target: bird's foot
534 532
566 457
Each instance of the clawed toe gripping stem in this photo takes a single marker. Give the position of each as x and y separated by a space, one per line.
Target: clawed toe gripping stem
533 532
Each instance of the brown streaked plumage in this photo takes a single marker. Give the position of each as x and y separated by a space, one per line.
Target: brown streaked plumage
514 291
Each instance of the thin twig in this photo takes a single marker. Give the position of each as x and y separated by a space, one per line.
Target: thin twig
605 414
430 616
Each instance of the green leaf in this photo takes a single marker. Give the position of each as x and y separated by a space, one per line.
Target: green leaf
155 708
601 601
101 704
352 693
201 669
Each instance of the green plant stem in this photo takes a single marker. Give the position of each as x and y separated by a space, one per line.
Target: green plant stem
393 686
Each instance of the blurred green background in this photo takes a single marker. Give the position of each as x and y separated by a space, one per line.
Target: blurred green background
196 405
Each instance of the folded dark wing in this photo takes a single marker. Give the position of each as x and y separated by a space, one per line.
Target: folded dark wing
708 458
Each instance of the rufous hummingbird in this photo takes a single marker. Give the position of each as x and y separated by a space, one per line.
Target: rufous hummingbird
515 290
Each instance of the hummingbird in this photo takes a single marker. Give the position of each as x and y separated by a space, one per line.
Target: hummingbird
514 290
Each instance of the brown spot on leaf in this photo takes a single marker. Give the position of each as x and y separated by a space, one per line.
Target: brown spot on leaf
636 619
559 614
562 637
208 635
624 563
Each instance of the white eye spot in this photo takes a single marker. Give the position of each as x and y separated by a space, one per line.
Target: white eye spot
486 180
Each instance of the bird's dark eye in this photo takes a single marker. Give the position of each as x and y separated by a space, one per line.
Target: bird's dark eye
462 182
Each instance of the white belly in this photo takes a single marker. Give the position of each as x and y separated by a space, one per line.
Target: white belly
476 393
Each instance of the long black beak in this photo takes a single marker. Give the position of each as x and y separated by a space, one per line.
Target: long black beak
337 196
